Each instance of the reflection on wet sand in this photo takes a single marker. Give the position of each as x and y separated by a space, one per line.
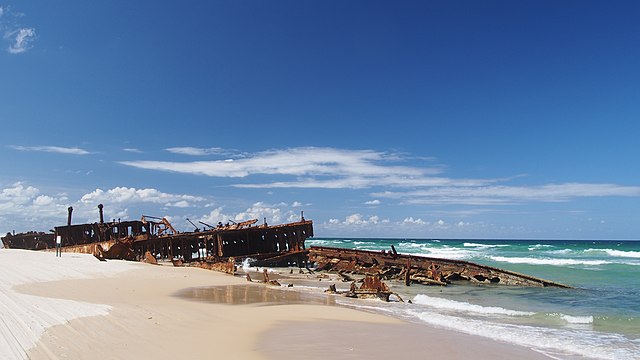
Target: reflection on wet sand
253 294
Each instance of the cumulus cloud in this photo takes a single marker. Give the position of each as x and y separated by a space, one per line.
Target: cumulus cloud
373 202
133 195
260 211
52 149
358 219
215 216
273 213
410 220
24 206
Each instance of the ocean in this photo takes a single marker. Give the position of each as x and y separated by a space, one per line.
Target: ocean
599 318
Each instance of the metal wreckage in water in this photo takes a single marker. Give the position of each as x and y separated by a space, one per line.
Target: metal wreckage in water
223 247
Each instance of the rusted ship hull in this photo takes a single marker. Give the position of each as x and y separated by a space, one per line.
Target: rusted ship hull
417 269
212 248
30 241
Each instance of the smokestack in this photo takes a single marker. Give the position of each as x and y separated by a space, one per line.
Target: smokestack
100 206
69 217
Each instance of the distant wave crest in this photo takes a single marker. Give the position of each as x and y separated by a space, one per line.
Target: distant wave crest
548 261
616 253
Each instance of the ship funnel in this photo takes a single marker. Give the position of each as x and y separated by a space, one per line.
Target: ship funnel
100 206
69 216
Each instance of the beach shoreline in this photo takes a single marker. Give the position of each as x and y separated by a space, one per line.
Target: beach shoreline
146 318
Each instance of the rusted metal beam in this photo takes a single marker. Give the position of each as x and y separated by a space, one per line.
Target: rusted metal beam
434 271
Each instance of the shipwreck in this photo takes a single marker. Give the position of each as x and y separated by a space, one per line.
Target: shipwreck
155 239
222 247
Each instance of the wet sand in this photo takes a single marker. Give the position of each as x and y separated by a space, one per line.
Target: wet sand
166 313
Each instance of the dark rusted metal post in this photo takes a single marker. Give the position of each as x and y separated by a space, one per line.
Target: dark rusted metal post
100 206
407 275
70 209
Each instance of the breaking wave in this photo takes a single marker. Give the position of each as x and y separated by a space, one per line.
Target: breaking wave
564 341
616 253
548 261
447 304
483 245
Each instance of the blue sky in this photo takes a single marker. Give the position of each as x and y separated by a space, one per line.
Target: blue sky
465 119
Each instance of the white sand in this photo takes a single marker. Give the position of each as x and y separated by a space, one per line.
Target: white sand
124 310
24 318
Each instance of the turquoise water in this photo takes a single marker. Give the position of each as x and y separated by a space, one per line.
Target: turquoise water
600 318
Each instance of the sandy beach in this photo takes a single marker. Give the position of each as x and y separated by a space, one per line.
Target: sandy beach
76 307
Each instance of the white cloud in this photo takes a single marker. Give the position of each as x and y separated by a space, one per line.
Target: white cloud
132 150
52 149
360 168
132 195
196 151
1 11
179 204
215 216
21 40
260 211
17 194
508 195
23 206
357 219
411 221
332 168
43 200
296 204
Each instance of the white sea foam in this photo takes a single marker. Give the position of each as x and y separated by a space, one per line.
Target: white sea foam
540 246
548 261
428 250
483 245
444 253
589 344
317 242
561 251
447 304
577 319
245 264
617 253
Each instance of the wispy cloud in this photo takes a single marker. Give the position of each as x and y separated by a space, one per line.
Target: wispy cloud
197 151
508 195
320 167
52 149
132 150
331 168
21 40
